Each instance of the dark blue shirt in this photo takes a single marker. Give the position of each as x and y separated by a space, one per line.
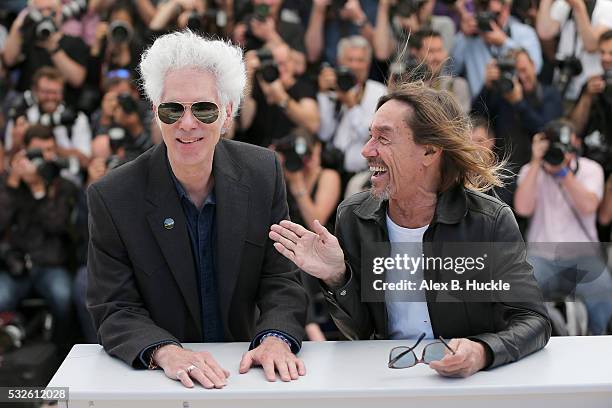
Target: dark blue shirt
201 227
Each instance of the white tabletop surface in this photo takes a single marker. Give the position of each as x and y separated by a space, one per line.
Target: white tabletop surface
570 371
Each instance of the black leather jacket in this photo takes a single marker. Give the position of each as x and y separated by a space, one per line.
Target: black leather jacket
509 331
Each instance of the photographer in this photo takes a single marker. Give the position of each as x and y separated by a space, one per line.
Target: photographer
561 192
347 101
279 101
117 45
332 20
71 129
490 34
429 49
591 114
262 24
580 23
408 17
34 225
35 41
313 194
518 105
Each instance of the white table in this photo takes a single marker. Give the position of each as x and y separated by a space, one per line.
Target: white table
569 372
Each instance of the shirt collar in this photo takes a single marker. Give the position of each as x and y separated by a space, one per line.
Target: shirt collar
210 199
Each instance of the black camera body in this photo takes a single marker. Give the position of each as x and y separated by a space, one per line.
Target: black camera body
268 69
568 67
484 20
39 28
63 116
21 105
294 149
47 170
345 79
507 69
559 136
127 103
118 138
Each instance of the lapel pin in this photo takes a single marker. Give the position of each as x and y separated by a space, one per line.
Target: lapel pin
168 223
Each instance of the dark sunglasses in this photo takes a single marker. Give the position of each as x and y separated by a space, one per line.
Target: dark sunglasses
170 112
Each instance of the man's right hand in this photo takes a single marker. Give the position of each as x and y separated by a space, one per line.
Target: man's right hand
178 364
317 253
492 74
327 79
539 146
595 85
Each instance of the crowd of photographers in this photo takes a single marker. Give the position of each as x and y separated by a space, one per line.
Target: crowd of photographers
536 76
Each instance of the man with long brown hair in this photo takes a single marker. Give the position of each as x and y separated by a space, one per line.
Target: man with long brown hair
426 191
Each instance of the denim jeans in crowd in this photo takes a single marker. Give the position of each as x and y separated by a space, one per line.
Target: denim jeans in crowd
53 284
585 277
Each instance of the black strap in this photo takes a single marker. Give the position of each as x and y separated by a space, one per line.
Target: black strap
590 4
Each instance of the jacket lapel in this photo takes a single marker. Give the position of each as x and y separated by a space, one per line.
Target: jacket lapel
163 202
232 223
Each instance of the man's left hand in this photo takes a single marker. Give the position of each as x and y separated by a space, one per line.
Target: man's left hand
516 95
274 92
51 43
496 36
469 358
273 354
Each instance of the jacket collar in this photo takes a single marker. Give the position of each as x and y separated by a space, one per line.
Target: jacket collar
451 207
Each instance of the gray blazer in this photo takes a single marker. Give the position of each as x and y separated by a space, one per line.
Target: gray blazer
142 276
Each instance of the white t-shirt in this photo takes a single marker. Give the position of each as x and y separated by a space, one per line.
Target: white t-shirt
407 319
571 44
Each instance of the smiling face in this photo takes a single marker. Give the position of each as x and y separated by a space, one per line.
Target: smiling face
396 161
191 143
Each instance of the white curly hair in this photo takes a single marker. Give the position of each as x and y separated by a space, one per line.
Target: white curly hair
186 49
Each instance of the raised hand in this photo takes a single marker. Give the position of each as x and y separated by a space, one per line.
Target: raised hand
317 253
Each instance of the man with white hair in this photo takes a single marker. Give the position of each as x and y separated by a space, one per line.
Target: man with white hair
179 249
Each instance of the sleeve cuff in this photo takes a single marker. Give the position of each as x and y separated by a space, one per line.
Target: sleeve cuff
145 356
342 290
293 343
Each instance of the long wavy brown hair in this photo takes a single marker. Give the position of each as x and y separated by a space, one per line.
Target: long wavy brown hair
436 119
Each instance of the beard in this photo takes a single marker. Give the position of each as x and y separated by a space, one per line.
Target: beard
382 195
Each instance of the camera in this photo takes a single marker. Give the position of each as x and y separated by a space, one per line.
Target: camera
268 69
484 20
345 78
119 32
597 148
40 28
568 68
559 135
294 149
127 103
48 170
406 8
117 137
506 66
21 105
62 116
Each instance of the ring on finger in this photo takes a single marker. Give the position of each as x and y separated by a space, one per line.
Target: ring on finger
191 368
